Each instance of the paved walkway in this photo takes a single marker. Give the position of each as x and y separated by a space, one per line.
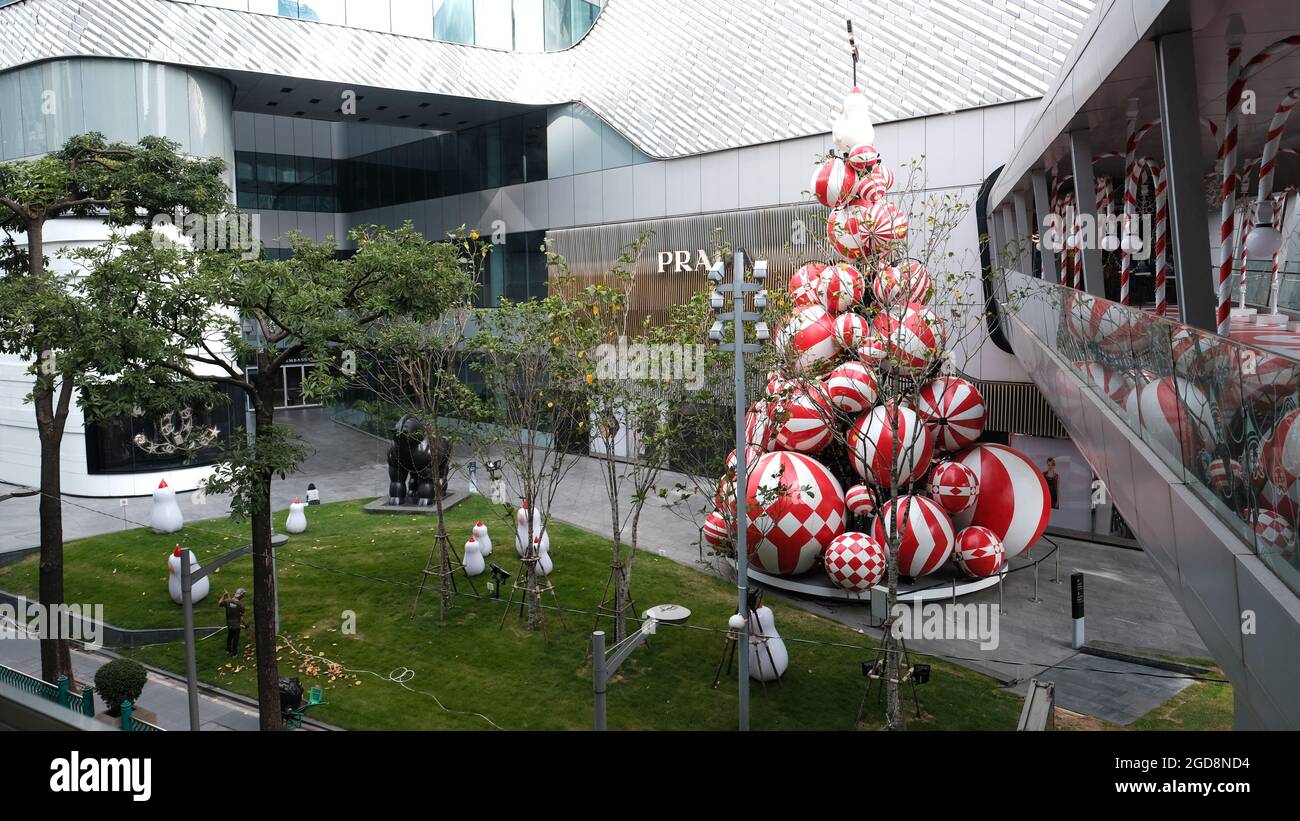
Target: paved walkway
1128 603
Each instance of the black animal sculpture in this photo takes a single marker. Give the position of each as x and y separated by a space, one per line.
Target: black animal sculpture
410 464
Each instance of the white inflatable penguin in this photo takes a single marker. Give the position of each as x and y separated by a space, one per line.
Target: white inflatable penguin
198 589
297 521
473 560
165 515
768 657
484 540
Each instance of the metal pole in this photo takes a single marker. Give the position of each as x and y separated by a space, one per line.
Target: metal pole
1035 599
191 666
1042 208
1076 610
598 676
742 555
1057 579
1002 611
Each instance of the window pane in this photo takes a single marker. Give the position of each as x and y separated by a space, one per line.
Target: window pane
492 24
413 18
453 20
528 26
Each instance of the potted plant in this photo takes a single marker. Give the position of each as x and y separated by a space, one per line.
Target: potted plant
120 680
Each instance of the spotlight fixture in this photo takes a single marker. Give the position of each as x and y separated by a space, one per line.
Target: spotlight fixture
761 331
1263 241
715 331
921 673
716 300
760 270
760 299
715 272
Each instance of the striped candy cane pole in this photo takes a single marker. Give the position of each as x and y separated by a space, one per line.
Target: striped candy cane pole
1130 203
1275 280
1078 251
1267 165
1237 77
1236 85
1162 238
1247 219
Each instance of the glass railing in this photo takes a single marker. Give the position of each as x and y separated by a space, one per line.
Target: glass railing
1221 415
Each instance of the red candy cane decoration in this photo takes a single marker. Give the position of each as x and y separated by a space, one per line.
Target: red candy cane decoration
1275 282
1237 77
1267 165
1132 175
1162 237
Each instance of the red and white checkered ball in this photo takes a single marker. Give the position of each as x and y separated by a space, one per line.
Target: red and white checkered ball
800 512
839 287
953 409
1272 530
1013 500
862 158
871 442
833 182
927 534
1176 415
803 420
758 427
810 334
979 552
895 284
854 561
912 334
954 486
716 531
841 234
852 387
861 501
851 330
1113 384
885 223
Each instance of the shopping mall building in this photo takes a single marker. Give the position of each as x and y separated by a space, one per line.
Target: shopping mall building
591 122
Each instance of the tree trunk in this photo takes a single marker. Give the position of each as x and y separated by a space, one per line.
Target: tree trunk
56 657
268 671
444 561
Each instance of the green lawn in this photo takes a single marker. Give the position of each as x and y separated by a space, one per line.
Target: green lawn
509 675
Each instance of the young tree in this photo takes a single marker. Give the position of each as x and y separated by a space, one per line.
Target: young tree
412 363
535 373
181 317
46 317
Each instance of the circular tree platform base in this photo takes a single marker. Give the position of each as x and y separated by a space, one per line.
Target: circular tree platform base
938 586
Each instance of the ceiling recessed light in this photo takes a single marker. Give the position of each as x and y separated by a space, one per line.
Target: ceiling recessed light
365 119
314 100
445 114
272 103
361 96
422 125
424 105
285 90
403 117
463 122
380 108
299 113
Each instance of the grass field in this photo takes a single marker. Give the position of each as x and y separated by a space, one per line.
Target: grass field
468 673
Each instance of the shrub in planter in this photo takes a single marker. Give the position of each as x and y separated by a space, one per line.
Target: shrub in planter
120 680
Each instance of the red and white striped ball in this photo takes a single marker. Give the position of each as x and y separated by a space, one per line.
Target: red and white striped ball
852 387
871 442
1013 500
851 330
810 333
1107 325
1279 453
840 234
833 181
885 223
1112 384
927 534
1282 492
803 284
954 411
1176 415
954 487
873 351
913 337
884 176
854 561
1225 474
909 282
1272 530
1265 377
869 189
716 531
800 512
862 158
861 501
803 419
758 427
839 287
979 552
776 383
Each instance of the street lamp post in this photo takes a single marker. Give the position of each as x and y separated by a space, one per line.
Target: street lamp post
738 287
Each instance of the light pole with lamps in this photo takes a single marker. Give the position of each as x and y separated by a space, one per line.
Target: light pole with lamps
737 288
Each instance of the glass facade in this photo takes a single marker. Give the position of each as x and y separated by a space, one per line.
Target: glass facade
507 152
111 447
510 25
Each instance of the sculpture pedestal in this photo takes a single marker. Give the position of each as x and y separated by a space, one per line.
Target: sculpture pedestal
410 508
